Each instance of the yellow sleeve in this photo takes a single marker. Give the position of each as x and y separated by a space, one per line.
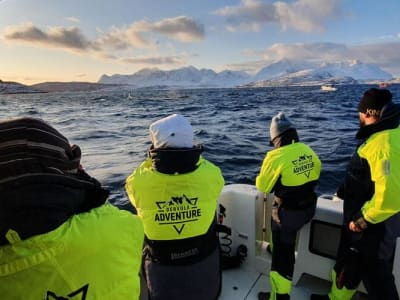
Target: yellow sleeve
132 181
268 176
384 164
384 203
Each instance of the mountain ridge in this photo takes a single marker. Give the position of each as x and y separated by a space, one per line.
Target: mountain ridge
284 71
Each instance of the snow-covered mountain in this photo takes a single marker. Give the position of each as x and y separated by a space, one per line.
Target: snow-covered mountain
355 69
8 87
284 72
303 78
184 77
281 68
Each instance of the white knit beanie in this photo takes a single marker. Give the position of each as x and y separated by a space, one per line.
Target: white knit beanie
279 124
173 131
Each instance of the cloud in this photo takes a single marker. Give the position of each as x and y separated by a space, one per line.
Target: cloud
73 19
307 51
122 39
385 55
180 28
156 60
111 44
301 15
136 35
56 37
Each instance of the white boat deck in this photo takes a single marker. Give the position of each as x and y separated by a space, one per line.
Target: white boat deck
239 284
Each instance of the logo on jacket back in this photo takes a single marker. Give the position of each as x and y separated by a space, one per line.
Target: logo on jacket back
303 165
177 211
81 292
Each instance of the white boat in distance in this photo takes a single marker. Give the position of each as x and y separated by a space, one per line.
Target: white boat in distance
248 215
328 88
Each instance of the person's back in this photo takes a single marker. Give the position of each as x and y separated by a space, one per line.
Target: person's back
57 237
175 192
291 171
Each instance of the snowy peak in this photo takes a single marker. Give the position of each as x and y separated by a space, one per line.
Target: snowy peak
355 69
282 68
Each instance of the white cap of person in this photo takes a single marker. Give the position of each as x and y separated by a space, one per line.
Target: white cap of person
174 131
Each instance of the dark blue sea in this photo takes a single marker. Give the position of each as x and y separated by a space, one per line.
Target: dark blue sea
111 127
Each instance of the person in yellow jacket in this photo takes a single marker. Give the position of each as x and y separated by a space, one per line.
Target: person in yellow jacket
371 209
175 191
58 238
291 171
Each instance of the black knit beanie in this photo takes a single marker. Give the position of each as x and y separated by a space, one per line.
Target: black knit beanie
374 100
30 145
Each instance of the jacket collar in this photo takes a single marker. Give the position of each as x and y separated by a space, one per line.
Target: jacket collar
38 203
389 119
175 160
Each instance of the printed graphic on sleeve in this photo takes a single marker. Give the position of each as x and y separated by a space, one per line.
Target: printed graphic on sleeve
177 212
79 294
303 165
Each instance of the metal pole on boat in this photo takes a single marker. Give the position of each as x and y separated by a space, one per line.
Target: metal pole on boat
264 228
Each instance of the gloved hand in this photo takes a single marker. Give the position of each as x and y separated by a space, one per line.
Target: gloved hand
358 225
275 210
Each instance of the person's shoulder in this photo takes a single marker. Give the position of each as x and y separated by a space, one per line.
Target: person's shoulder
111 210
209 166
120 226
117 215
143 169
306 146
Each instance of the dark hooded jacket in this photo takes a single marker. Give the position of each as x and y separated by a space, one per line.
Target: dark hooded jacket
358 186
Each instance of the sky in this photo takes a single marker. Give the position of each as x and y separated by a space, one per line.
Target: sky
75 40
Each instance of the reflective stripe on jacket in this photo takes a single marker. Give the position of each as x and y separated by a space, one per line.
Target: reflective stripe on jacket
93 255
382 151
175 207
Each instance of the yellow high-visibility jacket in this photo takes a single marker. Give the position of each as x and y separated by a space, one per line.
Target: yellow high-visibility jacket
382 151
175 207
294 164
94 255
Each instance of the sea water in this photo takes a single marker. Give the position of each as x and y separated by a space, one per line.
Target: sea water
111 127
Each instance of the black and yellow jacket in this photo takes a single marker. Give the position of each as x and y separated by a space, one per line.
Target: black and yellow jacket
371 188
291 171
